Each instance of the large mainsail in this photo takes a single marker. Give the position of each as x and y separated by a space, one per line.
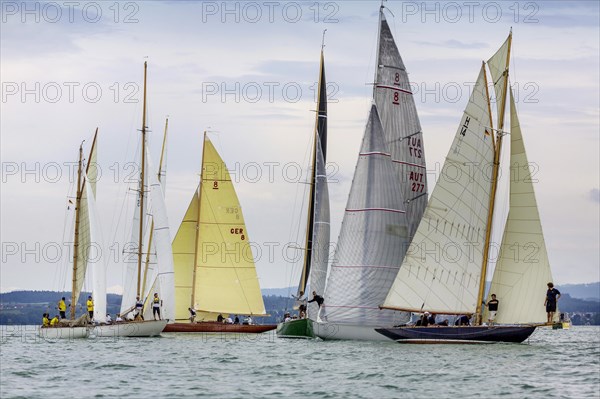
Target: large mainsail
442 269
523 268
401 127
214 265
373 238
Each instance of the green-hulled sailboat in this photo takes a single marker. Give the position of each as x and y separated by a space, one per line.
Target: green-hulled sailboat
316 252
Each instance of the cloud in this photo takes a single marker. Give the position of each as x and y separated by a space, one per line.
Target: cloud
595 195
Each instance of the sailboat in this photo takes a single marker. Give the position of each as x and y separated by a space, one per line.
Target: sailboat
316 253
159 241
215 273
386 201
460 216
85 234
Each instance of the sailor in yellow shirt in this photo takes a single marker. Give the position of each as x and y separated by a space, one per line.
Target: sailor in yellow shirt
90 307
54 321
45 320
62 308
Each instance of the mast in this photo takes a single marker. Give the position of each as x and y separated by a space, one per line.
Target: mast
321 114
142 176
193 298
162 153
495 171
76 238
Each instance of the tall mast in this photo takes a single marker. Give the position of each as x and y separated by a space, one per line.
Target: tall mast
495 171
199 194
76 238
142 179
162 153
320 138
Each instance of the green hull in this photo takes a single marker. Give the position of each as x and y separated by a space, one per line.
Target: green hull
301 328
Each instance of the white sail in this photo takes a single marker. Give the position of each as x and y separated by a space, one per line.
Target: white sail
442 268
129 254
320 238
95 261
523 268
498 66
162 241
401 127
372 241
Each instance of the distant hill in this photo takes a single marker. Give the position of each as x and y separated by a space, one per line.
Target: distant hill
589 292
279 291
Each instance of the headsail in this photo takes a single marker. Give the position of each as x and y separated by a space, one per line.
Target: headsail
401 127
441 270
373 238
162 242
523 268
320 238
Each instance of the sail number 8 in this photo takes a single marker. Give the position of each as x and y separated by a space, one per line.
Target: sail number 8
238 231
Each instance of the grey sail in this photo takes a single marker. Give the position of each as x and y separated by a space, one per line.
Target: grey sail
401 127
373 239
320 237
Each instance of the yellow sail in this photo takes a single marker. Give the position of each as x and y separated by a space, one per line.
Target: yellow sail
184 250
222 278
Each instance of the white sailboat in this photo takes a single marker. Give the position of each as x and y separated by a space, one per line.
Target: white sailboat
460 215
386 202
85 236
160 241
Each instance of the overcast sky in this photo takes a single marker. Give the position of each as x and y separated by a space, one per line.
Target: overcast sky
246 71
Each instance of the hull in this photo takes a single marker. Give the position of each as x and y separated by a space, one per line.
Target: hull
458 335
149 328
302 329
215 327
338 331
64 332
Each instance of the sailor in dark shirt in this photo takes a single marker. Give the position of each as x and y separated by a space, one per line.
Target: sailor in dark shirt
552 296
462 321
493 309
317 298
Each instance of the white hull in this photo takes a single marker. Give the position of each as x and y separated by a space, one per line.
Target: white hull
149 328
337 331
64 332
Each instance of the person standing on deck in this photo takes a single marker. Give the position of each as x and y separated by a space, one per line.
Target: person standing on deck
552 296
156 304
317 298
192 314
493 309
62 308
90 307
139 309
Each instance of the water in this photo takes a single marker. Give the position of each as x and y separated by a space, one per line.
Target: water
553 364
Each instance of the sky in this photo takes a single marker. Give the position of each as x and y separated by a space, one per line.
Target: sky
246 72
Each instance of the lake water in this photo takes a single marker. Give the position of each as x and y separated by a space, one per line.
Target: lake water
552 364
